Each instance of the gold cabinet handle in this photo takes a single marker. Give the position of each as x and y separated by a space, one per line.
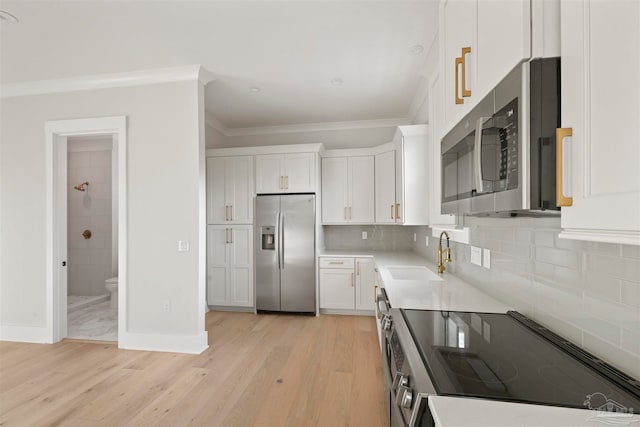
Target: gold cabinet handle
397 210
561 200
86 233
465 92
458 64
352 280
375 294
392 212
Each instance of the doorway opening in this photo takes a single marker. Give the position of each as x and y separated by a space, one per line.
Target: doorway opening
92 238
86 233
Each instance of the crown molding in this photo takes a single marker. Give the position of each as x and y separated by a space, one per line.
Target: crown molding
306 127
106 81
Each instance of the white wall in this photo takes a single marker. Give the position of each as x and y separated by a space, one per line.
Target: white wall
584 291
164 204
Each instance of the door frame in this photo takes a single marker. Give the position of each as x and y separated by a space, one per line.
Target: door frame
56 133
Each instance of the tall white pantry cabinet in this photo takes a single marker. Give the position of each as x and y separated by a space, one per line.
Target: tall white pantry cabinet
230 192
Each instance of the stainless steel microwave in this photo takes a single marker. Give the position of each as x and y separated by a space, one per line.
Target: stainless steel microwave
501 158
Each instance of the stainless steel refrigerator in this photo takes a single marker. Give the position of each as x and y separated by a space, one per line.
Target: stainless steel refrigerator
285 253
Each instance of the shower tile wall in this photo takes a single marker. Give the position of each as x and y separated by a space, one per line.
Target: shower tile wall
587 292
89 260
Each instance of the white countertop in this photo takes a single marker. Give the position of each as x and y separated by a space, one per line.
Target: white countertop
454 294
451 294
449 411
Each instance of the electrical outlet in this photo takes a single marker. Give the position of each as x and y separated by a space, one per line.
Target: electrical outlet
183 246
426 240
476 255
364 235
166 306
486 258
415 237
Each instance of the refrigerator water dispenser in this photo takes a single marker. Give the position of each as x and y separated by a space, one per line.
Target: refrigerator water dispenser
268 237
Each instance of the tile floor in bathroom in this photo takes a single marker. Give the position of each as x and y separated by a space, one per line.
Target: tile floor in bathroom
94 322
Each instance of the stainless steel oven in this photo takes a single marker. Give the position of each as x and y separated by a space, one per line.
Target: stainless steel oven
407 384
501 158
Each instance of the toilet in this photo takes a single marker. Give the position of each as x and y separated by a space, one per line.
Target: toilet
112 286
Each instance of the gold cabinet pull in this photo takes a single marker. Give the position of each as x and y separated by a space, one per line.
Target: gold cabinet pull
375 294
392 212
458 64
397 210
352 280
561 200
465 92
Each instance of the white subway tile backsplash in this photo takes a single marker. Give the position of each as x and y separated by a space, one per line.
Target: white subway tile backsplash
630 293
544 239
603 286
585 291
622 359
629 251
560 257
621 314
631 341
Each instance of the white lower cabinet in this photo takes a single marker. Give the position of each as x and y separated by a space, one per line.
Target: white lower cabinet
365 284
347 286
230 265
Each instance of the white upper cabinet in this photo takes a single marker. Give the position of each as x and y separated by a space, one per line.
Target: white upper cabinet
412 178
385 187
504 40
286 173
334 190
434 156
601 112
458 21
481 41
347 190
230 190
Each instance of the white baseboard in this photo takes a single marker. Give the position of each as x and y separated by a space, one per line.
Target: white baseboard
192 344
20 333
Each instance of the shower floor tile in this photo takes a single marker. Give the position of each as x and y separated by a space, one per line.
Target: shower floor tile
96 322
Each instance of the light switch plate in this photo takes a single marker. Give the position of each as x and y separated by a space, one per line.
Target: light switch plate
486 258
183 246
476 255
364 235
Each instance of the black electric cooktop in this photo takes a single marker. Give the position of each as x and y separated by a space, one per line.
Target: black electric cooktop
509 357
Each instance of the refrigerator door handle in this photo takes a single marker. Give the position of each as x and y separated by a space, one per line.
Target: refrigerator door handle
282 238
277 238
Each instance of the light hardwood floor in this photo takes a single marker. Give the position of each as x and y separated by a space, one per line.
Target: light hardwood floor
259 370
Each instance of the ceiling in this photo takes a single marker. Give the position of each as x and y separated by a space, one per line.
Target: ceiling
291 51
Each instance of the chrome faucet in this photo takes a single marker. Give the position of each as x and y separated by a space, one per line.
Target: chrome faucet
448 253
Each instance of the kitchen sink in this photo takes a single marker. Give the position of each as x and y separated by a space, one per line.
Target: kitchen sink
399 272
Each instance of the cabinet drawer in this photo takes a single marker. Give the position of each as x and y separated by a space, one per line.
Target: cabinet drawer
336 263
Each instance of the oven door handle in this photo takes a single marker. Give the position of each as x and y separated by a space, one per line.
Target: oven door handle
382 298
477 154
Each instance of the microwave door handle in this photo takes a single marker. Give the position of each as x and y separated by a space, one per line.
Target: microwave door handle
477 154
